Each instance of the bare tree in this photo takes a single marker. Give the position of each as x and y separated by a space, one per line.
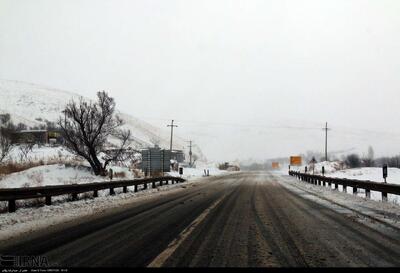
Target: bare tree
86 128
21 126
353 161
5 144
368 160
25 147
5 118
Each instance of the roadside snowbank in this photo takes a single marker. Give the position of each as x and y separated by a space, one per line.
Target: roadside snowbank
58 174
335 169
330 167
190 173
373 174
25 220
357 207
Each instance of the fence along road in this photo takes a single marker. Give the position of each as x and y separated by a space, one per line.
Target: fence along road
324 181
244 219
13 194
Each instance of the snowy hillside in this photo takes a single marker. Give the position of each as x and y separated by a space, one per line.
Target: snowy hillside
33 104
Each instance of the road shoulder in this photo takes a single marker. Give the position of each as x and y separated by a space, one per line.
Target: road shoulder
26 222
382 216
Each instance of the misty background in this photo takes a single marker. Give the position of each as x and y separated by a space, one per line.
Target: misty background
242 79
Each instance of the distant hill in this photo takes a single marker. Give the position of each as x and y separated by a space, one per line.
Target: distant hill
33 104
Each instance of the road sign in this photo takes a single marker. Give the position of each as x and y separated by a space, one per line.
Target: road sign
295 160
385 172
275 165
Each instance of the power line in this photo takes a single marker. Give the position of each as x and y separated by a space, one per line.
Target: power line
341 130
247 125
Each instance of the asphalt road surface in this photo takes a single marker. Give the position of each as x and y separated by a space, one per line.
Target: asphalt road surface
241 220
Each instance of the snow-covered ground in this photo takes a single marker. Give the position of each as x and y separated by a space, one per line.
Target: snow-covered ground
190 173
63 174
358 208
44 153
28 218
330 167
375 174
32 218
371 174
57 174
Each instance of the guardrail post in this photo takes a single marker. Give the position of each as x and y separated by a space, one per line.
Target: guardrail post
153 184
329 184
336 186
112 192
323 183
135 188
384 196
354 190
344 188
11 206
145 186
125 189
319 182
172 181
368 193
95 194
74 196
48 200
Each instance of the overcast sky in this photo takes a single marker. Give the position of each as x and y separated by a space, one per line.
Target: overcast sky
239 77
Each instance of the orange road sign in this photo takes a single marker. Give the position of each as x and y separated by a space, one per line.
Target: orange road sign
295 160
275 165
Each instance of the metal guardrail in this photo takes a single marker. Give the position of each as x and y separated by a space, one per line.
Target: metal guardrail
13 194
369 186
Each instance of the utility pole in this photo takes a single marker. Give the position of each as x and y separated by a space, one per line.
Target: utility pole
172 133
190 153
326 141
